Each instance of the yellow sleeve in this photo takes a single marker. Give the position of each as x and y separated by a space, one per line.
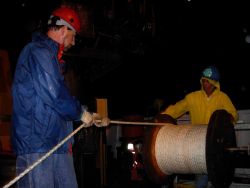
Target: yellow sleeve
177 109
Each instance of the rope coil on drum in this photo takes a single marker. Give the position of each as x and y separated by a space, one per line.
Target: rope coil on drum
191 149
181 149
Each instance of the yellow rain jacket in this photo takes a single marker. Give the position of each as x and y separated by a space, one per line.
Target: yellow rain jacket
201 107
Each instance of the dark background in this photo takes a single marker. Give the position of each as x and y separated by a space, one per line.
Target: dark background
132 58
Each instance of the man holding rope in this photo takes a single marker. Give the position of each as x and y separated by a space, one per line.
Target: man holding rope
43 108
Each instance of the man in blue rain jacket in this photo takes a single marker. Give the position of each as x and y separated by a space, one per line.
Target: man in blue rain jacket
43 108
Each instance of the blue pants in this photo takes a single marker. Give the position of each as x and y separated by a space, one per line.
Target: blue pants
201 181
56 171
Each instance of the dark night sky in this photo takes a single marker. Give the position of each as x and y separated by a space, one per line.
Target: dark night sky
189 36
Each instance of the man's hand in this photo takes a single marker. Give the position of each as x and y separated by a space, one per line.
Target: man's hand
99 121
87 118
165 118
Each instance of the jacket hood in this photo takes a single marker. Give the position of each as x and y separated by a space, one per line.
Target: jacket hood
213 82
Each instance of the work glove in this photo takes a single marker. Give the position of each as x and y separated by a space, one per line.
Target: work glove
87 118
99 121
165 118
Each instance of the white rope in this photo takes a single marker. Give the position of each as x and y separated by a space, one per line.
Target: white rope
181 149
137 123
62 142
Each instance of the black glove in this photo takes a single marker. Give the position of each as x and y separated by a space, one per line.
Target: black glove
165 118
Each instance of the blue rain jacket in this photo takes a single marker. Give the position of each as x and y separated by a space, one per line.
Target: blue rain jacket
43 108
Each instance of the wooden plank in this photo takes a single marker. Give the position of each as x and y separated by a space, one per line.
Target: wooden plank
102 109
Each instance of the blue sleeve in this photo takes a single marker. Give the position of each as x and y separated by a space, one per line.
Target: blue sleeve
50 85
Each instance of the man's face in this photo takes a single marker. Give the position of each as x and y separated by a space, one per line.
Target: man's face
69 39
207 86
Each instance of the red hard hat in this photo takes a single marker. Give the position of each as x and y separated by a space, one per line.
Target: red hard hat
69 15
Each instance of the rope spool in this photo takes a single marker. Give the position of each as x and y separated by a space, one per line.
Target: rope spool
191 149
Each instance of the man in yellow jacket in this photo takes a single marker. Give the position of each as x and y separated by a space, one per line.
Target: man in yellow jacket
201 104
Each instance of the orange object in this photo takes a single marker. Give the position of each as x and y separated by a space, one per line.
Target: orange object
69 15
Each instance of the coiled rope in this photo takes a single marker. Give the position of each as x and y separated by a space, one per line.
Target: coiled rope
181 149
67 138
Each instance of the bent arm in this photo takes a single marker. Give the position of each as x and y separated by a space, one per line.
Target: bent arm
50 86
